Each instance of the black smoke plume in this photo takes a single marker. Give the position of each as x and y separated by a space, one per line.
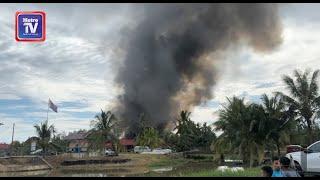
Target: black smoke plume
167 66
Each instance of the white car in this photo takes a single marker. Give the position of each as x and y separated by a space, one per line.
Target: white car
308 160
159 151
141 149
36 152
109 152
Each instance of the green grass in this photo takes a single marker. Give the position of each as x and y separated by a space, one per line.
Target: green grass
249 172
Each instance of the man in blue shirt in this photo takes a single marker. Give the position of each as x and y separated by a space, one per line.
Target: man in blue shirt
276 168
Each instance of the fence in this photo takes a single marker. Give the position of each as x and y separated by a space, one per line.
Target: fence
23 163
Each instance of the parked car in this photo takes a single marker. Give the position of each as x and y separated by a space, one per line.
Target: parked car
39 152
36 152
294 148
141 149
158 151
109 152
308 160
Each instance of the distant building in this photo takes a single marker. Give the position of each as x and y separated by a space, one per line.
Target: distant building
127 144
77 141
4 149
33 142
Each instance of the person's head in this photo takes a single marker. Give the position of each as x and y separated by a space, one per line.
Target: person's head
266 171
284 162
276 163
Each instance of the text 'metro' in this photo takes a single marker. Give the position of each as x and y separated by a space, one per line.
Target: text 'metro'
30 26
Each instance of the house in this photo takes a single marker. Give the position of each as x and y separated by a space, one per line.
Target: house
32 142
4 149
77 141
127 144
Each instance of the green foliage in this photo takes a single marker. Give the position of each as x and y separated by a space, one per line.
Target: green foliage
149 137
190 135
248 129
20 148
105 128
45 133
304 99
243 130
59 144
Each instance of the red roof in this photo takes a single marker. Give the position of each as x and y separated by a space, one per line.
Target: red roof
123 141
126 142
4 146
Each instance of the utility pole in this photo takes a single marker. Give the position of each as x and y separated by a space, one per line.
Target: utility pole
12 140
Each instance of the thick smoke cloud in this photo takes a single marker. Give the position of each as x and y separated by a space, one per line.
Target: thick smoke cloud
167 66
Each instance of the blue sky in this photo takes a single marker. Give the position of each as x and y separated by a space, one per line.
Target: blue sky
75 65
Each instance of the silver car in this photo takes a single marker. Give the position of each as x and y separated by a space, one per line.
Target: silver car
141 149
109 152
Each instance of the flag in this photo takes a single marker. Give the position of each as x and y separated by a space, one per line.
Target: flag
53 106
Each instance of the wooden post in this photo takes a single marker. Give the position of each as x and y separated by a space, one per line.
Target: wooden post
12 140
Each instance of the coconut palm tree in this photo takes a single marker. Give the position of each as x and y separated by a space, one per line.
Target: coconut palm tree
44 132
276 124
187 132
242 133
304 98
149 137
104 129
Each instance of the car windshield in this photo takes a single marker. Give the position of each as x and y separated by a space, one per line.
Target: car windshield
315 147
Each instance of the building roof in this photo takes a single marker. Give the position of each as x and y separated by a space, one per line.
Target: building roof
123 141
33 138
4 146
76 136
82 143
126 142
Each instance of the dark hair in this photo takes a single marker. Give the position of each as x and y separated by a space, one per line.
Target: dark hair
268 170
285 161
275 158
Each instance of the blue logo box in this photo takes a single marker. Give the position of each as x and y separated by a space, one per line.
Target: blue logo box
30 26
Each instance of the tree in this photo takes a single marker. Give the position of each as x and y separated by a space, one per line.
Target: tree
170 139
190 135
104 129
304 98
206 137
44 132
186 131
59 143
276 124
241 132
149 137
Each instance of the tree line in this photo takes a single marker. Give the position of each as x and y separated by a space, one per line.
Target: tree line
248 128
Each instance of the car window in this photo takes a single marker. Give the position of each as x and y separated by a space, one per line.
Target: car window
315 147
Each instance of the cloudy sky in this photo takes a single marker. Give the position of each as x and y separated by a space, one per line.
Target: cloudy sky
74 66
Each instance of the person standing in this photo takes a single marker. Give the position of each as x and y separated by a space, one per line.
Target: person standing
285 168
266 171
276 167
